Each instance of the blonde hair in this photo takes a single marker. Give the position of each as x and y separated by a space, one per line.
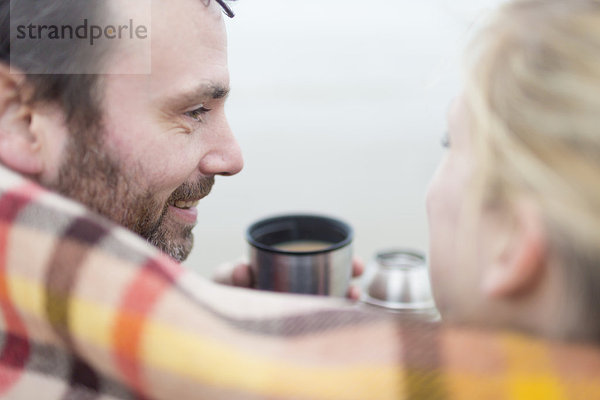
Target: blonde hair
533 94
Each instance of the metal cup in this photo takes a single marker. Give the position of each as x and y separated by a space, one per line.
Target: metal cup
324 271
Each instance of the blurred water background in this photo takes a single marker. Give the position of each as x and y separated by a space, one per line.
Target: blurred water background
339 106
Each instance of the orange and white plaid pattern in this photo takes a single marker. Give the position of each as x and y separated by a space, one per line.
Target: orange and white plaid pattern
91 311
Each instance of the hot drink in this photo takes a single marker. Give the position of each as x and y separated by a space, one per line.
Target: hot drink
303 246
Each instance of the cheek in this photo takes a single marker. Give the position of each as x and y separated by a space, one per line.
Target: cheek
444 200
160 163
148 150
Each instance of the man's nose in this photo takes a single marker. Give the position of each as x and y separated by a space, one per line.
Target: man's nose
223 153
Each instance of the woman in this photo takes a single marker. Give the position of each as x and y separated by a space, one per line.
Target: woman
514 209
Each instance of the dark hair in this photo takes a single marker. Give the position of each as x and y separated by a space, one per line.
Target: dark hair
77 94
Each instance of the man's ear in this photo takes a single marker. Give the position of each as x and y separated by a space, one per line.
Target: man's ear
20 148
518 257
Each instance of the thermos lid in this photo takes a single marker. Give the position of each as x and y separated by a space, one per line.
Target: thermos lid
399 280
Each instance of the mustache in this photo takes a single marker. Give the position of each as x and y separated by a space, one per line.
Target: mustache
192 191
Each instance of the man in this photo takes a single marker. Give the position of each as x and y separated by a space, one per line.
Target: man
158 139
89 310
140 148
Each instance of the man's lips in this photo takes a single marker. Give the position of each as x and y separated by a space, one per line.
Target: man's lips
186 204
184 200
188 216
185 210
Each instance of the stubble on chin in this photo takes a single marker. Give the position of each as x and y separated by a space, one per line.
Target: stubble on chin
89 175
175 240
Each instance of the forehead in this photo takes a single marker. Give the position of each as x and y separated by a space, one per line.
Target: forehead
184 25
188 45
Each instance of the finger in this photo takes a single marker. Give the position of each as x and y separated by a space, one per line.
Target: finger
242 276
354 293
224 274
358 267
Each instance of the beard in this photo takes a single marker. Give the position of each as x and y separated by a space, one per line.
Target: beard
91 176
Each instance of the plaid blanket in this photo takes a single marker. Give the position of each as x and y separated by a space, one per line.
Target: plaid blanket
91 311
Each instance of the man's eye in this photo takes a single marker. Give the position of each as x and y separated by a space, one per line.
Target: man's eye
446 140
197 113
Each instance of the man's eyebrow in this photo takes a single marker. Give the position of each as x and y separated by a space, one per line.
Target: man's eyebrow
217 92
197 95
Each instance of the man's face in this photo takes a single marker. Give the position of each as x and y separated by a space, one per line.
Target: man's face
164 136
